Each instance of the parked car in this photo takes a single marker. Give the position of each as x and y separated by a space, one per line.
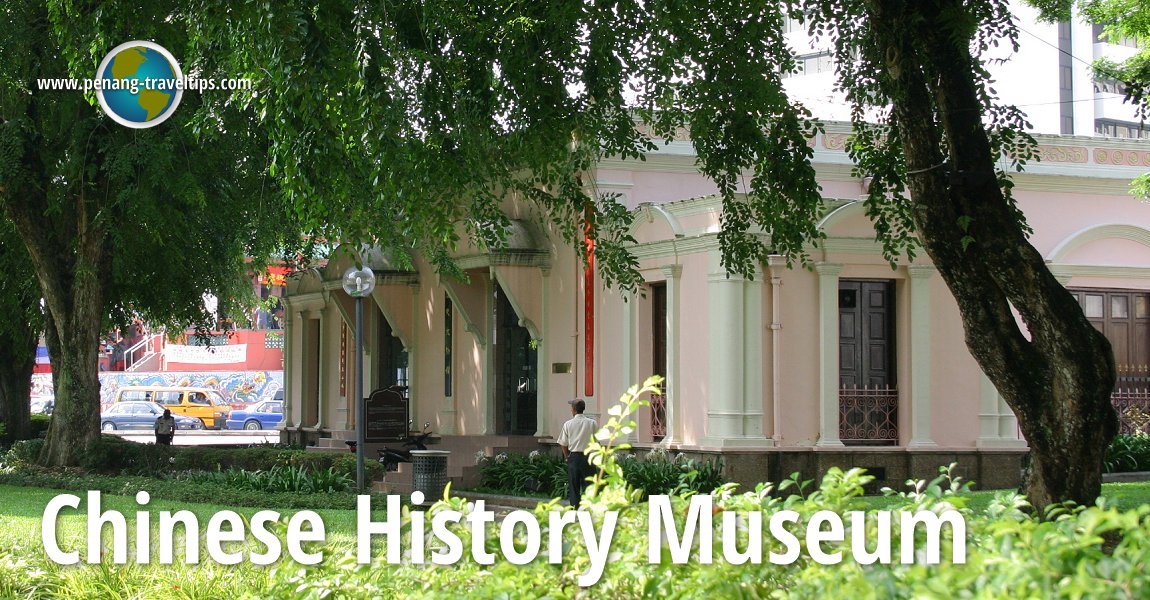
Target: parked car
205 404
266 414
141 415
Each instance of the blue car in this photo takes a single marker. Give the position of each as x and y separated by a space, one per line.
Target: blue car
266 414
140 415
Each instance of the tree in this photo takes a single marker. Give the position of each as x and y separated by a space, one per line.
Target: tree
19 331
116 220
1125 19
417 116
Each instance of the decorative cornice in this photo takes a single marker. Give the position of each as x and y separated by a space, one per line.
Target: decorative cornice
1101 271
828 269
918 271
381 279
305 302
506 258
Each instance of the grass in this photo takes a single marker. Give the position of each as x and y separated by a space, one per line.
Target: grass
26 571
1124 496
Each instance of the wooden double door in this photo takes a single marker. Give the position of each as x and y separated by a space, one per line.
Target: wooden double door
866 333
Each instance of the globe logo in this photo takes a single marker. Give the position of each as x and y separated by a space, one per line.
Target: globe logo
139 84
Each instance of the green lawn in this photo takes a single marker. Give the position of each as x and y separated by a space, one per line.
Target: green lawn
24 563
1124 496
26 572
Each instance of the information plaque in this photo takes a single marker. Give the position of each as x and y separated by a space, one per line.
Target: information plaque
386 416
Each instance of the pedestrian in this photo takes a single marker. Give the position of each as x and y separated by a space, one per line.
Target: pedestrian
165 428
573 440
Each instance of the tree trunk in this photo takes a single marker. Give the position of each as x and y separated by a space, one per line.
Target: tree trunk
1056 373
73 268
17 359
76 377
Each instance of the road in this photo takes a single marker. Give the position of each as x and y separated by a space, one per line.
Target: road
206 437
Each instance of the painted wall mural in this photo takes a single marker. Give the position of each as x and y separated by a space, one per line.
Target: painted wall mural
237 386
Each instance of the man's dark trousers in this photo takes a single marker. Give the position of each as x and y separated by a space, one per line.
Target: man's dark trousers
578 470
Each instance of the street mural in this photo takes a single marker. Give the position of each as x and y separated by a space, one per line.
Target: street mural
236 386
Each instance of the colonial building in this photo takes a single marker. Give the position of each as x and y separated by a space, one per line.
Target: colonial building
852 363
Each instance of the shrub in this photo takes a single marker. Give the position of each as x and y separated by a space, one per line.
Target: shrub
517 474
1128 453
27 451
209 492
40 425
1010 554
657 472
297 479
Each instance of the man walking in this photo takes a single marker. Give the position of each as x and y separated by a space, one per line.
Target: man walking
573 439
165 428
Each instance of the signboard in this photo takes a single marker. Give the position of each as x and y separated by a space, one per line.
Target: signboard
206 355
386 416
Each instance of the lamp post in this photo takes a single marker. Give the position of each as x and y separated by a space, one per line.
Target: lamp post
359 283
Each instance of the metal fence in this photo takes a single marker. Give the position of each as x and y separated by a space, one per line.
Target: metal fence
1133 407
658 417
868 415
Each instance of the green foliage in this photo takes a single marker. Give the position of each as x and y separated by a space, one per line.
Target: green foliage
1095 552
40 425
1128 453
114 455
541 474
281 478
26 451
536 473
208 489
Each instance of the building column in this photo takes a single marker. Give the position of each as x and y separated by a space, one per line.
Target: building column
629 342
306 378
487 402
673 275
920 357
776 327
543 360
413 387
725 319
292 318
828 354
322 375
753 332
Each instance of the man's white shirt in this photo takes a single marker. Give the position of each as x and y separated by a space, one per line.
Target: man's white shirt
576 433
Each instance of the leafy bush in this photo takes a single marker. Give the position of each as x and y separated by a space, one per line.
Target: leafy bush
39 429
114 456
211 492
1010 554
1128 453
538 473
282 478
40 425
26 451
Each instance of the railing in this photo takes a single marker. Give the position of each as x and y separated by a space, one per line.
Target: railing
1133 407
138 353
868 416
1133 377
658 417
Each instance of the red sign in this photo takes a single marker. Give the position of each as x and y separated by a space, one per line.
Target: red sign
277 276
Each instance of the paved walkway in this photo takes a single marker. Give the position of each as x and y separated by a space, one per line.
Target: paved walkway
206 438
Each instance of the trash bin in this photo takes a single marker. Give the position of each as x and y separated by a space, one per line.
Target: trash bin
430 472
